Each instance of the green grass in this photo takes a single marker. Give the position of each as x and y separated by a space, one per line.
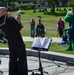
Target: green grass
50 22
55 47
3 44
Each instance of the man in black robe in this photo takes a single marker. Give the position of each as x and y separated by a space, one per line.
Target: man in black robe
17 58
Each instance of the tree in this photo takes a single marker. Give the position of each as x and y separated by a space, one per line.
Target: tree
8 1
40 1
52 3
71 3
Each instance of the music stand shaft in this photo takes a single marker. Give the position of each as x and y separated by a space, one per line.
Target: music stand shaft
40 64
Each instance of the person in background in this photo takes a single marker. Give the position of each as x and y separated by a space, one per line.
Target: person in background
17 51
32 27
18 17
2 37
64 39
69 17
9 13
40 29
60 26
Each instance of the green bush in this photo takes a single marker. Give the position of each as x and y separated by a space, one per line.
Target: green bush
25 6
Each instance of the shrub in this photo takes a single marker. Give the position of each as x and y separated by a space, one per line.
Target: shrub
25 6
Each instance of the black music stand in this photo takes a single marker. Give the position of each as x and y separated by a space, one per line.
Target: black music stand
40 44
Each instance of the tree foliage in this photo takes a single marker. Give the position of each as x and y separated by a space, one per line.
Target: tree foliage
52 2
71 3
8 0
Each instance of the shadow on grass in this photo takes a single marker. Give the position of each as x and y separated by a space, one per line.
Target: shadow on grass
22 12
55 13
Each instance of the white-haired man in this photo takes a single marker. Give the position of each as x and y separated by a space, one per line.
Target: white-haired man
17 58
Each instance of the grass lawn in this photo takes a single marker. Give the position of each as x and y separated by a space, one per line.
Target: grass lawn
55 47
50 22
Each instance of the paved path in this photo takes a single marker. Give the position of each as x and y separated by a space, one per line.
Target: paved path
54 39
52 66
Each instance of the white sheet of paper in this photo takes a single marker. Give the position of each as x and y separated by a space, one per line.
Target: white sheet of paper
41 42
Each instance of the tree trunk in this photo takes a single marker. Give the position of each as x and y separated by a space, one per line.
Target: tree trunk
53 8
73 9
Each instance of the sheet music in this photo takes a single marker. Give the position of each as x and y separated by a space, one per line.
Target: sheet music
41 42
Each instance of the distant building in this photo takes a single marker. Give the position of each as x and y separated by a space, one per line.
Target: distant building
26 1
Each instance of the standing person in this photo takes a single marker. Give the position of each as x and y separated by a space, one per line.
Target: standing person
9 13
69 17
32 27
61 26
40 29
18 17
64 39
2 37
17 52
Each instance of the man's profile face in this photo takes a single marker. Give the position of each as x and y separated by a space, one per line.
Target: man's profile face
3 12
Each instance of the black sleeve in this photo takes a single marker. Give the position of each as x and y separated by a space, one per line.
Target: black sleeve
15 23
